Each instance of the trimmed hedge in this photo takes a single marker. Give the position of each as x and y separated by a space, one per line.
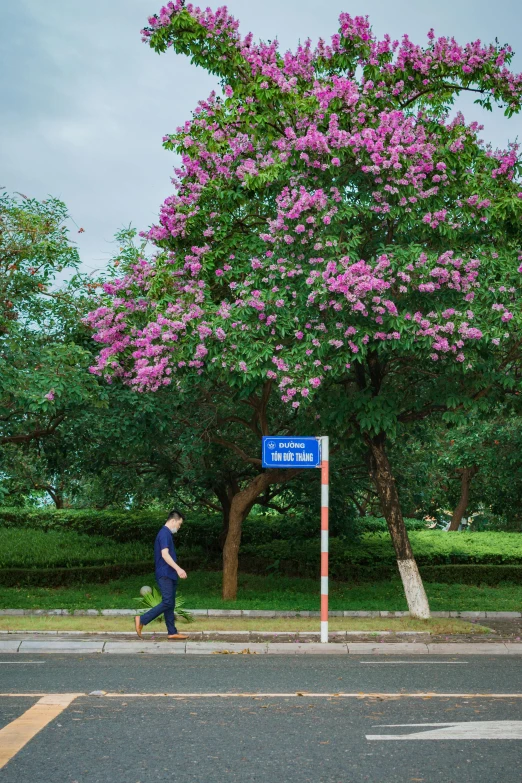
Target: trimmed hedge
446 574
65 549
378 525
62 577
431 547
473 574
82 575
347 572
118 525
49 547
201 530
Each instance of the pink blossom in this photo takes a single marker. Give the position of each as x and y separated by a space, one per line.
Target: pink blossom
330 114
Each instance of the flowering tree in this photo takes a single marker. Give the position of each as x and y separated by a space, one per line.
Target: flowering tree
332 226
218 423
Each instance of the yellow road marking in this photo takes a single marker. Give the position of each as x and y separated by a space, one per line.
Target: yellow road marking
19 732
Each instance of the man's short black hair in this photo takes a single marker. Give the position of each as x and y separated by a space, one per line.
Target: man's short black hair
174 514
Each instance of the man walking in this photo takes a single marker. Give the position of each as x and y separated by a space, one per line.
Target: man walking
167 572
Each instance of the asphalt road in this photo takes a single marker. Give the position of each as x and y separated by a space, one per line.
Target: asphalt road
267 739
277 674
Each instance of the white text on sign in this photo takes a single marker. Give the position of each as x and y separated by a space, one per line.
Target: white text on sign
290 456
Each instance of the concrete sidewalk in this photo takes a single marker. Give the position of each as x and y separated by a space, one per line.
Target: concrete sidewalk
64 645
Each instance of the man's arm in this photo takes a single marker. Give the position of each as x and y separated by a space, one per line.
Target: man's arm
168 559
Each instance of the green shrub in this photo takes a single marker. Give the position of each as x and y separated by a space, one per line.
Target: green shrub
378 525
473 574
58 556
97 574
496 523
201 530
152 598
346 572
62 545
63 577
120 525
34 547
88 575
65 549
375 550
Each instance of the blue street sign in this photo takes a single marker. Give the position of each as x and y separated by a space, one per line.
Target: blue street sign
281 451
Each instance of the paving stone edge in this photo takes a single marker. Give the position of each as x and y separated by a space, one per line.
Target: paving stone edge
226 648
247 613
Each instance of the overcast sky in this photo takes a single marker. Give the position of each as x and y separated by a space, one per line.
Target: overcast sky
85 104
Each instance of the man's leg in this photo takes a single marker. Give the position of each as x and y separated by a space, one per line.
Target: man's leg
166 607
168 593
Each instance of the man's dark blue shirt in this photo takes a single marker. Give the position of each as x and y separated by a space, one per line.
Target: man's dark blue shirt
164 540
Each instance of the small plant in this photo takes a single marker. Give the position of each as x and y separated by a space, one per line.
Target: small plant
151 596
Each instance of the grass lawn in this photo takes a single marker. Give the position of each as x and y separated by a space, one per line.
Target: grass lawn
290 624
202 590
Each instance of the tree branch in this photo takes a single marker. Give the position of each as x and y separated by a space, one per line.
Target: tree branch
233 447
38 433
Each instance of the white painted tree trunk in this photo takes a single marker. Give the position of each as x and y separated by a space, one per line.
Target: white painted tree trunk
385 483
414 589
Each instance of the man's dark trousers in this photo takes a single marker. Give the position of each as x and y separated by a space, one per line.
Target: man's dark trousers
166 607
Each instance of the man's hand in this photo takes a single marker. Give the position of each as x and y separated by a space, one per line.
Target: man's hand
168 559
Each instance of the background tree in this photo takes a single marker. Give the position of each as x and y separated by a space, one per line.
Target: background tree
432 456
43 364
481 466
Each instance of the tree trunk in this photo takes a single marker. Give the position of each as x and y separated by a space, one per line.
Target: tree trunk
225 502
239 510
240 507
466 475
55 494
238 513
387 490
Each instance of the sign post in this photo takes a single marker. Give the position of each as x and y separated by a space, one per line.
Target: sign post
289 452
324 536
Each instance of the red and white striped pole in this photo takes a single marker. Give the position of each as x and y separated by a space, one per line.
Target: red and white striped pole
324 538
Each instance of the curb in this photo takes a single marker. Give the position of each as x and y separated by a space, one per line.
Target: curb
277 648
226 636
249 613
